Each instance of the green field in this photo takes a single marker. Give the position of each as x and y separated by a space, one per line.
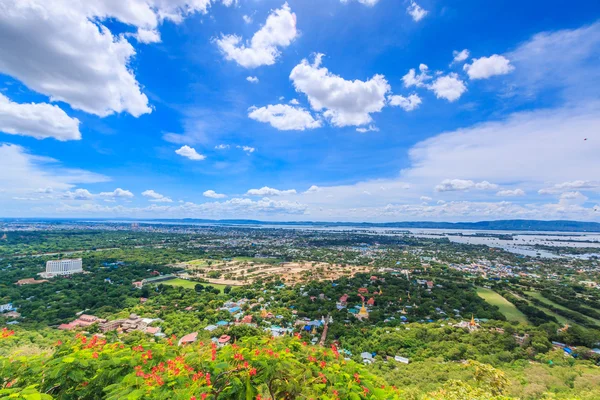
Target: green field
561 319
507 308
191 284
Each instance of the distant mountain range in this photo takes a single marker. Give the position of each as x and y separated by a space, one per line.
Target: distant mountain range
508 225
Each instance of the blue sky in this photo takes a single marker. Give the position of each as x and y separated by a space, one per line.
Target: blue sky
305 110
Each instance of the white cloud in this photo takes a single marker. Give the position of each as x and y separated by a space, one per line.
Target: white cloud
561 60
571 185
222 146
252 79
416 11
247 149
448 87
190 152
267 191
294 102
412 79
147 36
573 196
213 195
38 120
460 56
22 172
511 193
83 63
369 3
409 103
370 128
455 185
313 189
247 19
78 194
156 197
345 102
117 193
284 117
486 67
278 32
425 199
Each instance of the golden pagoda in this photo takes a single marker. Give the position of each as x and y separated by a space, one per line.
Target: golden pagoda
472 323
263 313
363 313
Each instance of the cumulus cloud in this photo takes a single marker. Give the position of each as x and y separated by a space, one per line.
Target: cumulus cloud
156 197
418 80
448 87
409 103
38 120
294 102
117 193
83 63
416 11
460 56
425 199
342 101
313 189
222 146
267 191
247 19
511 193
263 49
213 195
78 194
455 185
284 117
190 152
252 79
486 67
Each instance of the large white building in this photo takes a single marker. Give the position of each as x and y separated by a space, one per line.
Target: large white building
62 267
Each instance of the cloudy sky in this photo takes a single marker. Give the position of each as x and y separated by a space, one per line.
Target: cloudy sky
345 110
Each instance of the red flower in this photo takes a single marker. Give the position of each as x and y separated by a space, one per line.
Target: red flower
94 355
252 372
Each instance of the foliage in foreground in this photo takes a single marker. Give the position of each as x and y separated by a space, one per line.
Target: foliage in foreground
254 368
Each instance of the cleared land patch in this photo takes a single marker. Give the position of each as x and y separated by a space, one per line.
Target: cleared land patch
507 308
541 298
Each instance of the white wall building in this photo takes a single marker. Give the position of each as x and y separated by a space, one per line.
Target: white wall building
62 267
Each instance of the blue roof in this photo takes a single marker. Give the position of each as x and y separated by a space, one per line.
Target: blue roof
222 323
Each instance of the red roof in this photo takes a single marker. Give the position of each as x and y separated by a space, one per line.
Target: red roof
344 298
152 330
224 339
189 338
363 290
371 301
247 319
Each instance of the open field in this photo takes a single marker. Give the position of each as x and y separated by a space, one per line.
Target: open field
507 308
191 284
245 270
541 298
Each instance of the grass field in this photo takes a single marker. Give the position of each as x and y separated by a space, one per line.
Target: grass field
541 298
507 308
191 284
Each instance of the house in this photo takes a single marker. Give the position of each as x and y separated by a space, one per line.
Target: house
400 359
143 300
367 358
151 330
371 301
247 319
429 285
6 307
344 300
12 314
189 338
363 290
211 328
138 284
84 321
223 340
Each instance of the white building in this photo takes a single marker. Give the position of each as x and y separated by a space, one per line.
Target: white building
62 267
